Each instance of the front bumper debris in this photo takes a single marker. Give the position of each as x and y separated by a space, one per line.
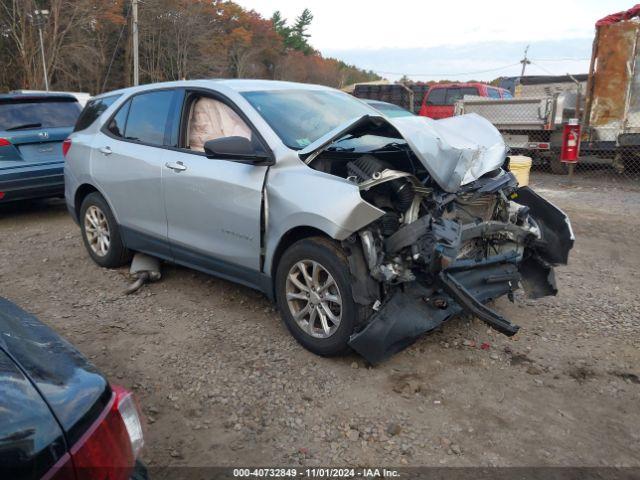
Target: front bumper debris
417 310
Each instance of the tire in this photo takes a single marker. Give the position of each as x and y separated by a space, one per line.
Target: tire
330 257
116 254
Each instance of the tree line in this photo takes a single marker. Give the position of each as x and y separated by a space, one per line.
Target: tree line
87 45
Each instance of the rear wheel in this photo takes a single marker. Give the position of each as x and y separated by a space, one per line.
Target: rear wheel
313 291
101 234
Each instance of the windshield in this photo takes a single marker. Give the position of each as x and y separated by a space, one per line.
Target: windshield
18 115
300 117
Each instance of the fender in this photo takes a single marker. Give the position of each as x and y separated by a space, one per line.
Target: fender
298 196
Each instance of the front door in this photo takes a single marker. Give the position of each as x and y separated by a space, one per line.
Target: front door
213 205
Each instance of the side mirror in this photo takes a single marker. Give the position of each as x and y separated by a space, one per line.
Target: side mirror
236 149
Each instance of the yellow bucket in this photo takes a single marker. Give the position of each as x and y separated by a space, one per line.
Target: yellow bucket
520 166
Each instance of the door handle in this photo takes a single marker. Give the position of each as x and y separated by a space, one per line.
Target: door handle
176 167
106 151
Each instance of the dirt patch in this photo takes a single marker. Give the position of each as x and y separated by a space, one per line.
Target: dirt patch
581 373
221 382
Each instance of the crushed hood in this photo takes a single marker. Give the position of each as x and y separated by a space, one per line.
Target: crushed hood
455 151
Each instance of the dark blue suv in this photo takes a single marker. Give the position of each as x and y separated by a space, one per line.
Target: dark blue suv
33 128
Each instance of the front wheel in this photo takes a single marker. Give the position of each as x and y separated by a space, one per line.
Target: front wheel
313 292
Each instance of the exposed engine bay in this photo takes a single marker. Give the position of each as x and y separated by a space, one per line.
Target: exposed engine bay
435 253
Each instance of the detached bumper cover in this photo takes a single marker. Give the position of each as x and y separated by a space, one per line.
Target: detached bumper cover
411 313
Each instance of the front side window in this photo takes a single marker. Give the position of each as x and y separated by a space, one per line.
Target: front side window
436 96
453 95
147 119
210 119
92 110
300 117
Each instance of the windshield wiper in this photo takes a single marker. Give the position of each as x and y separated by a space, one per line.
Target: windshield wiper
23 126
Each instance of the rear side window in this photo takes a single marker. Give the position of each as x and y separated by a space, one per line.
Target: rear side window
93 110
18 114
469 91
436 96
119 121
147 117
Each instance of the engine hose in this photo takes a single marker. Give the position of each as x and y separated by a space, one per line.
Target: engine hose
365 167
403 192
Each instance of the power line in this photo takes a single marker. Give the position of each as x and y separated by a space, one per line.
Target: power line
542 68
562 59
529 61
448 74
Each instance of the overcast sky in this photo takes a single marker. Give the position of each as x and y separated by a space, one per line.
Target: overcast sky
454 39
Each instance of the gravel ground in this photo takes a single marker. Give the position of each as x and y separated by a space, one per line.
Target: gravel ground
221 382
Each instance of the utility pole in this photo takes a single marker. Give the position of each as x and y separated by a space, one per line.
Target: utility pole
39 19
525 61
136 55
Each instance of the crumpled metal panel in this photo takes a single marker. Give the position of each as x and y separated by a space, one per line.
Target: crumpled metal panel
616 45
455 151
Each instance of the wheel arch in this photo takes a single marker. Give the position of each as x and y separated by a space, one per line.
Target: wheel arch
290 237
82 192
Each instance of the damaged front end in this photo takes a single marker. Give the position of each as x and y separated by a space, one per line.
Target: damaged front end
457 232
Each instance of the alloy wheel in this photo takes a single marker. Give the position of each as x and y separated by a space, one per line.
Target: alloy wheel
314 299
97 231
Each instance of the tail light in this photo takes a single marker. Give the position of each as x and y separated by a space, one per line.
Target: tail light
4 142
110 447
66 145
129 413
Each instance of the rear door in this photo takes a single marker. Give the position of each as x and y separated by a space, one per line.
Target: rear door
127 163
213 205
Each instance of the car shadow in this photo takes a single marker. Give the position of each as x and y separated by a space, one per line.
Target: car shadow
32 207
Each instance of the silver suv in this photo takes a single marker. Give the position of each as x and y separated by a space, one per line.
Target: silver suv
368 231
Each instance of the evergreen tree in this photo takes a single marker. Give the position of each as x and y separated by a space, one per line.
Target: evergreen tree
294 37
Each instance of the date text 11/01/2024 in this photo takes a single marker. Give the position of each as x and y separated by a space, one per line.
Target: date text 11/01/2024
315 473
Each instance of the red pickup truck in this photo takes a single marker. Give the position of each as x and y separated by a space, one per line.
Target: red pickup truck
439 100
